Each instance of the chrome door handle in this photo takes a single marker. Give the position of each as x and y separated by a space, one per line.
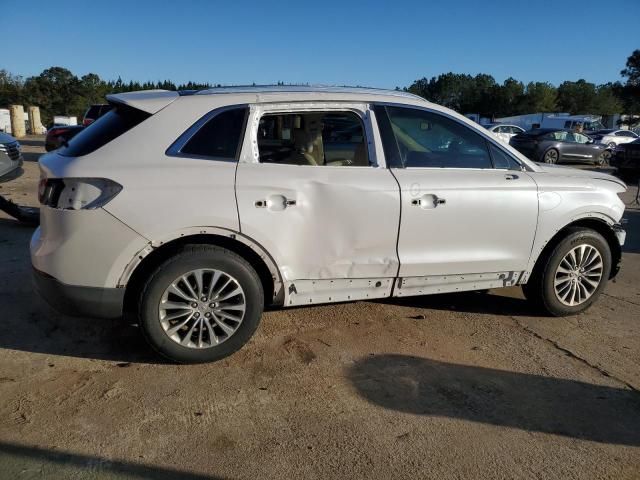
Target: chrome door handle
511 176
275 203
428 201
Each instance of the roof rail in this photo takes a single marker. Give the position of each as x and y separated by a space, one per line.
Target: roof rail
299 89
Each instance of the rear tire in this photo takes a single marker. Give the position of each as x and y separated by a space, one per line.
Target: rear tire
558 293
188 316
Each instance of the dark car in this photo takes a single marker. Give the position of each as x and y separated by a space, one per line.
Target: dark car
550 145
94 112
59 135
627 158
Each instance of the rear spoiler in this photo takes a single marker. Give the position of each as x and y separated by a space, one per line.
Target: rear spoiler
150 101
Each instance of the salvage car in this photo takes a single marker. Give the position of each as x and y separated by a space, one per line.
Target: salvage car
550 145
10 156
195 210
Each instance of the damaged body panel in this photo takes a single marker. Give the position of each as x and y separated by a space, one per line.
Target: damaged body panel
332 222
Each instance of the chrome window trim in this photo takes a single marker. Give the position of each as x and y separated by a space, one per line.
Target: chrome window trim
175 149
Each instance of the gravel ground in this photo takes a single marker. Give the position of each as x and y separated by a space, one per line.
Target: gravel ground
446 387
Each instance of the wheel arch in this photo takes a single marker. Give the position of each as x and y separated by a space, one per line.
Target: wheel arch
158 251
597 224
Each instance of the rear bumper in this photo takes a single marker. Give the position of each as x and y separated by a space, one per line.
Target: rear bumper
79 301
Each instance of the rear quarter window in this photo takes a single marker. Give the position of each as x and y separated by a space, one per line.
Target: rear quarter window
105 129
219 137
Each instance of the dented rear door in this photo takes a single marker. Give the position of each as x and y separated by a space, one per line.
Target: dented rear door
320 222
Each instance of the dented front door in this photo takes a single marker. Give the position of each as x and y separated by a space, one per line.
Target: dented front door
320 222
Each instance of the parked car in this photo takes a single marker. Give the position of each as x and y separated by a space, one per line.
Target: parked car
612 138
550 145
94 112
195 210
627 158
504 132
60 135
10 156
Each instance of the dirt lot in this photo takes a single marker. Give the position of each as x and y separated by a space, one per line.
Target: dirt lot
444 387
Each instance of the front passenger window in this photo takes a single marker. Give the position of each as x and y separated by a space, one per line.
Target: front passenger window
427 139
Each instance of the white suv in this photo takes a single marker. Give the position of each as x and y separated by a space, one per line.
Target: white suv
193 210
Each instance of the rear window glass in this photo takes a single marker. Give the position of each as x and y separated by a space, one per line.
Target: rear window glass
93 112
103 130
219 137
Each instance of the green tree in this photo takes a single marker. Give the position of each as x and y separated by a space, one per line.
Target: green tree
539 97
630 92
11 89
577 97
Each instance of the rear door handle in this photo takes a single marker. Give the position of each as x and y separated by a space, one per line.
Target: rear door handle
275 203
427 201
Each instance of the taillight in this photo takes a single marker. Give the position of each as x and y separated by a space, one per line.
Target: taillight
87 121
58 131
77 193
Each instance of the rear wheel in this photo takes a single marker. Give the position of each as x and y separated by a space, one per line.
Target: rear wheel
571 277
551 156
201 305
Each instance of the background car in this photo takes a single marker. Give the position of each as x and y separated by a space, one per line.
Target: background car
612 138
504 132
627 158
550 145
59 135
10 155
94 112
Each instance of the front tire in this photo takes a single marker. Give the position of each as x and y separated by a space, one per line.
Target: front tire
567 280
200 305
551 156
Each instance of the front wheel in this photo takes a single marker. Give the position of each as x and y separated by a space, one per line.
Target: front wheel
201 305
571 277
551 156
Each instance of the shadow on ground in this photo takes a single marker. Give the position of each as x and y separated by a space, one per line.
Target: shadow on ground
32 141
29 462
28 324
528 402
469 302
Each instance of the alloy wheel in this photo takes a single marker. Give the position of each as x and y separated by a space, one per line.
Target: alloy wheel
551 156
578 275
202 308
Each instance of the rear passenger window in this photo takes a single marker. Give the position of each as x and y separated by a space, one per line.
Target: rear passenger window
219 137
502 160
333 139
426 139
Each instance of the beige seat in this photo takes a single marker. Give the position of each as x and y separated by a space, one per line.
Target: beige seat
303 145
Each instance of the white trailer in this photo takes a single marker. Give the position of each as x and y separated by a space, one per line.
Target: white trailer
59 120
554 120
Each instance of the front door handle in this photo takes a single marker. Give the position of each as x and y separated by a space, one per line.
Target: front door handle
427 201
511 176
275 203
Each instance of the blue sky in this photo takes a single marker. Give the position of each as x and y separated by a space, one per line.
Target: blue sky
374 43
